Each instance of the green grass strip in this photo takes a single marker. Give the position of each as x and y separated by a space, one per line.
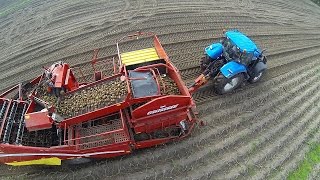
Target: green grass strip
14 7
311 159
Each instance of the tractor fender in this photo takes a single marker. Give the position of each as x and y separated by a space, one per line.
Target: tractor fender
214 50
260 66
232 68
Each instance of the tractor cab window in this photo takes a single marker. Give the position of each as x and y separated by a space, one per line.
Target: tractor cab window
246 58
230 51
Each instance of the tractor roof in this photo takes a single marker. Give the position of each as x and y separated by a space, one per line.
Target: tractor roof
242 41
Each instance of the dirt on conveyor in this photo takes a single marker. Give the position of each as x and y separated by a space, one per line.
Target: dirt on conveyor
167 85
86 99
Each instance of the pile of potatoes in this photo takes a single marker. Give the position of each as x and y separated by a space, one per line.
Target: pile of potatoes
88 99
171 87
92 98
43 94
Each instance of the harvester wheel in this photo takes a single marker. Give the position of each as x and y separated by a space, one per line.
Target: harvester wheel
77 161
256 77
224 85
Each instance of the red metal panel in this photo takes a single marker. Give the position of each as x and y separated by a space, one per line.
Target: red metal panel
58 75
38 120
160 121
176 77
161 53
70 81
152 142
161 104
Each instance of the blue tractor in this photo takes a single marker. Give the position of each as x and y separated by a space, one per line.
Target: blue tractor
232 61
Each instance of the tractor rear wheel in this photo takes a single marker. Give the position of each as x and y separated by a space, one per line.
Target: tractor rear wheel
204 62
224 85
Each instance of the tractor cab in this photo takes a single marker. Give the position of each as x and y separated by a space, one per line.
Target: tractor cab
238 47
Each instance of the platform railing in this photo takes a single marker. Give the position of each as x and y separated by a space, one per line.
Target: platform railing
104 138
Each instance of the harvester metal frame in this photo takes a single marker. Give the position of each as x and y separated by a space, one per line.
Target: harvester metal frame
157 119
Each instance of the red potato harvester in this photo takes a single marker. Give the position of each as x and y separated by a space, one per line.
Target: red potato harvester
66 113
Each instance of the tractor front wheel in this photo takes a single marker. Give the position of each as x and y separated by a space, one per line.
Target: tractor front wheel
224 85
256 77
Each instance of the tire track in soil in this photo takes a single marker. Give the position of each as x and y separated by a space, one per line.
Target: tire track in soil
229 158
294 118
287 152
290 164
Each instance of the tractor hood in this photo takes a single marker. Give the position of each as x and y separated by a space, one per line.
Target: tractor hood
214 50
243 42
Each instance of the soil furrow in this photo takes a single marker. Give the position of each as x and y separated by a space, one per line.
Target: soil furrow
287 152
209 169
286 122
283 171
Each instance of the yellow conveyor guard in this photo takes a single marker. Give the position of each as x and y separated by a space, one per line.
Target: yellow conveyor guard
139 56
54 161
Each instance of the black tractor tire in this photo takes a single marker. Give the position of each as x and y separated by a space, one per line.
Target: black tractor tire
256 77
223 85
204 62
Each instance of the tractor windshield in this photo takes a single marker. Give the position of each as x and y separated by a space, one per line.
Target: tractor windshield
232 52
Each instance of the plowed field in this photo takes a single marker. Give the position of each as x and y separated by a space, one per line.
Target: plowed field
261 131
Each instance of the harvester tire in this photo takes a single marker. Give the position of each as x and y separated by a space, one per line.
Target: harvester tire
77 161
223 85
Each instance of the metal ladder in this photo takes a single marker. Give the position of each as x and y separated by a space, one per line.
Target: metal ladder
10 121
21 125
3 110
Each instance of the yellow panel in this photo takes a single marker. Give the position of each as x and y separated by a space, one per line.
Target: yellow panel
132 59
54 161
147 50
139 56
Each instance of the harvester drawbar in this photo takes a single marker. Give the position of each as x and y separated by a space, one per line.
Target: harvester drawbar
134 101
